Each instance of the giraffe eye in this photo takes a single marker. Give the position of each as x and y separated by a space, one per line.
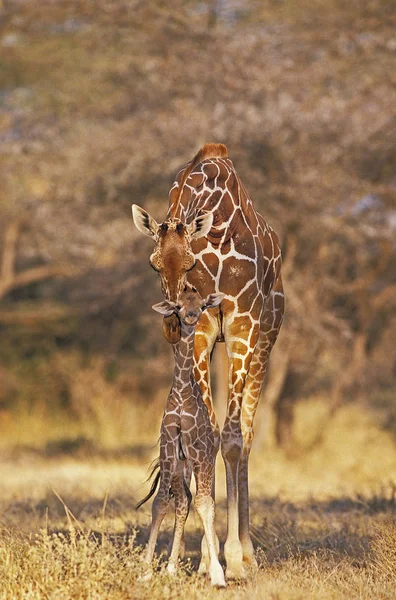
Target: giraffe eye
153 267
193 265
179 227
164 227
155 262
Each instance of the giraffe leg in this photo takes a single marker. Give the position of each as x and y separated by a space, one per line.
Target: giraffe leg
158 511
182 506
240 351
187 472
269 329
204 562
251 394
243 490
205 338
231 448
204 505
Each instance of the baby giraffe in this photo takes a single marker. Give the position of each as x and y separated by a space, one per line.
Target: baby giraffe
186 434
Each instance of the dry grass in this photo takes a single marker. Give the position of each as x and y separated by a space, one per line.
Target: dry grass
333 549
323 523
99 111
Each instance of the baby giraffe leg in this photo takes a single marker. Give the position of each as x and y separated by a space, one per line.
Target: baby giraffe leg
187 473
182 505
205 507
158 512
204 562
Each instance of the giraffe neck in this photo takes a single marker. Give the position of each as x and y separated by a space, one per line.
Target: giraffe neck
183 351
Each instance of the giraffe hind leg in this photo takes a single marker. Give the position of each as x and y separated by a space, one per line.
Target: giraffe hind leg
182 506
187 472
158 511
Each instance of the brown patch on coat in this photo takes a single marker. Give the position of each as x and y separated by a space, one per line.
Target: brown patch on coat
207 151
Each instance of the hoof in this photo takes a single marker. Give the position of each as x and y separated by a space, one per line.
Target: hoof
217 576
182 549
250 563
146 576
236 572
234 558
203 568
218 583
171 569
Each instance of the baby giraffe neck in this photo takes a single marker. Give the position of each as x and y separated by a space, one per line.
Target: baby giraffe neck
183 352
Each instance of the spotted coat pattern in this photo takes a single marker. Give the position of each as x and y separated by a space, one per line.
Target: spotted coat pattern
238 254
241 258
186 437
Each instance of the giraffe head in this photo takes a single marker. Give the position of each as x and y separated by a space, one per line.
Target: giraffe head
172 257
189 306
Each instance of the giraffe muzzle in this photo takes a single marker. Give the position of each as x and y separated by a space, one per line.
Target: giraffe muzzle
191 318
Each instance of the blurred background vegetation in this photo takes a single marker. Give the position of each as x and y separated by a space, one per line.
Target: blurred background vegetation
101 102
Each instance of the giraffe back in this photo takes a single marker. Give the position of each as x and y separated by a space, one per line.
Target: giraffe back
240 256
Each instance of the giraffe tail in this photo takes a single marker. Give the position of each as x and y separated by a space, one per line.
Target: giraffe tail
152 489
156 467
188 492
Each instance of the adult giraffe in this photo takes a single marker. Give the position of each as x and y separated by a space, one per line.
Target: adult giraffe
214 239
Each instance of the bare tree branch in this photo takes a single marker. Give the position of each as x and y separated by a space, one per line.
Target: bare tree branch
36 316
11 280
386 295
9 249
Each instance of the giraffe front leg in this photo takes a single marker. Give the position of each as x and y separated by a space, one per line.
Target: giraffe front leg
231 449
249 406
243 509
205 338
204 504
204 562
251 394
240 348
269 328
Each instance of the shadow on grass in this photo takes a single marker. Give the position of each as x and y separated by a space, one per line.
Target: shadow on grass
79 448
341 527
338 529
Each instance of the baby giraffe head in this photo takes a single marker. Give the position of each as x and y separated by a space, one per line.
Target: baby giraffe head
189 306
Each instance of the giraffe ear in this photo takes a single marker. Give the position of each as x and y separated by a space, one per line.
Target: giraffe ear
171 328
144 222
200 226
165 308
213 300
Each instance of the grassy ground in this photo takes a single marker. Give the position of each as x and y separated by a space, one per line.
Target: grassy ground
99 106
323 522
